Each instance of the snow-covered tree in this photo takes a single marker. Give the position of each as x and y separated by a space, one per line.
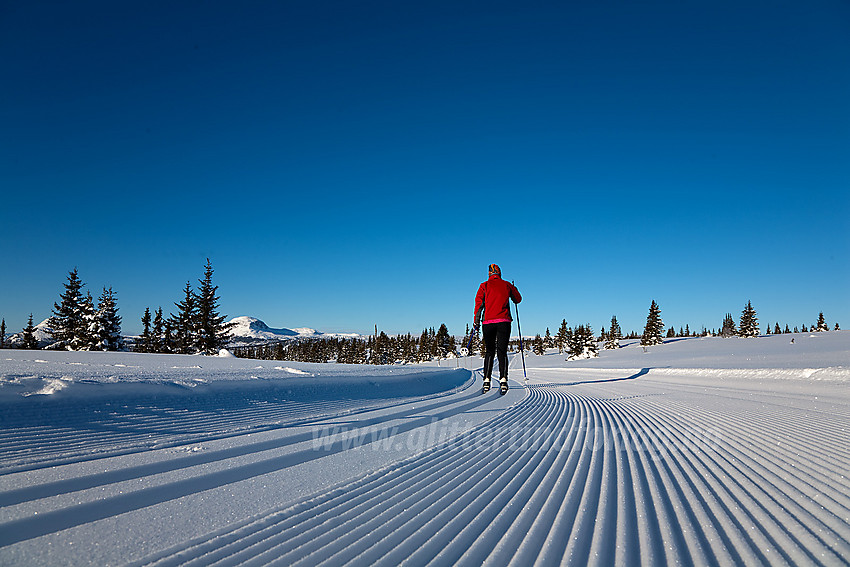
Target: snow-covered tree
444 341
146 342
654 329
109 321
612 340
749 326
168 336
67 323
562 337
91 325
28 336
537 345
582 343
185 322
821 326
728 329
158 331
213 332
425 346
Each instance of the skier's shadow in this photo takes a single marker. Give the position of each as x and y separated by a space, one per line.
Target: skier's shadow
641 372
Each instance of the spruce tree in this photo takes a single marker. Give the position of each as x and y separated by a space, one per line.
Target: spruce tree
582 343
561 337
443 343
652 332
749 326
3 333
424 346
537 345
146 343
821 326
213 332
777 330
110 321
29 340
728 329
168 336
158 331
185 322
67 323
91 327
612 341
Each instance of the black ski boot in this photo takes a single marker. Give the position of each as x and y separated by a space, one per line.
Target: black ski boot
503 386
486 387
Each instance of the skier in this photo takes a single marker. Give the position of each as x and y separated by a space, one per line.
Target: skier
492 300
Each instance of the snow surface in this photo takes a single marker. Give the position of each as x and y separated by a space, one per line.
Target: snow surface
698 451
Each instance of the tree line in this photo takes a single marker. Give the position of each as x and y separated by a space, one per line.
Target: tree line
379 348
580 342
78 323
196 328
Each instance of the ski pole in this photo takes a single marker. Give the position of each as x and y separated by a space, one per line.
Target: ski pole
521 351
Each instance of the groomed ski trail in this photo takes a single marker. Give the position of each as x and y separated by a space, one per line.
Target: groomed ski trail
624 469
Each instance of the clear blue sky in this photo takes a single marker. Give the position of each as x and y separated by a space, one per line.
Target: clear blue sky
346 164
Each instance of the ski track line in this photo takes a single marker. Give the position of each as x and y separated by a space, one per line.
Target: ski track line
140 471
133 426
628 471
552 479
25 528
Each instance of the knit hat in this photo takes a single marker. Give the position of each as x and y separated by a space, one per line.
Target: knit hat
494 269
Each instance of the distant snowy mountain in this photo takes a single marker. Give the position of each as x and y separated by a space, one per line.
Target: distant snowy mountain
250 330
43 334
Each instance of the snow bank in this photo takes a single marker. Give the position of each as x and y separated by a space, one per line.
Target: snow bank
28 375
828 374
818 350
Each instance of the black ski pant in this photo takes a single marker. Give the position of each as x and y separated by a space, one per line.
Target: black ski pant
496 337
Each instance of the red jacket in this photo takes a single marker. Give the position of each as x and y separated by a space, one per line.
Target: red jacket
493 296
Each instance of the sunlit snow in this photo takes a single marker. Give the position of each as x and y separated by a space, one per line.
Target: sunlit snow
698 451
